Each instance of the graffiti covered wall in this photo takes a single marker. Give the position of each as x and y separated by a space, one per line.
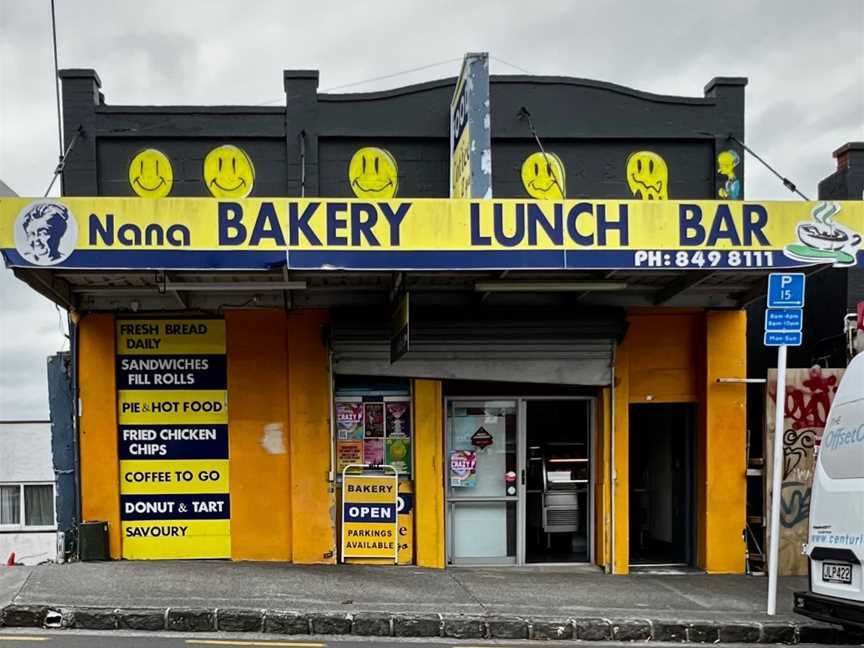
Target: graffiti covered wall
809 393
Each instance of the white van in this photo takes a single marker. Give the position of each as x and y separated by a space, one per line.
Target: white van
836 540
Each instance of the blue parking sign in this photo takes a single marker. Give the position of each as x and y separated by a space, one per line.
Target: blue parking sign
786 290
784 319
782 338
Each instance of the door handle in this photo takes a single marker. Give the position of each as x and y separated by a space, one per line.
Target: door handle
523 476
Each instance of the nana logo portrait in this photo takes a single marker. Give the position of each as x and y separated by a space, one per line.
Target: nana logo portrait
45 233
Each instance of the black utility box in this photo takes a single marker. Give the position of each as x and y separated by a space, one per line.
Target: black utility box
93 541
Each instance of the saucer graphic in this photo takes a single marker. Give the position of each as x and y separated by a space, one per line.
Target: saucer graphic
809 255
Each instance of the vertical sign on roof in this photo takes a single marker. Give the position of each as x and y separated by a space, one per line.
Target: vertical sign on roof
173 438
470 131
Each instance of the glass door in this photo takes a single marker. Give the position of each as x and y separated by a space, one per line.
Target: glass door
482 486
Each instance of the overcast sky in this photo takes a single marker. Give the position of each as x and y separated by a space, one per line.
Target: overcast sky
804 59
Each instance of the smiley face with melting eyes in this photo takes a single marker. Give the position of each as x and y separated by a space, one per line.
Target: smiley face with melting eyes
647 176
228 172
150 174
544 177
373 173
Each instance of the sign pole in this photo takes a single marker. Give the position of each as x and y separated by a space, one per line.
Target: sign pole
776 480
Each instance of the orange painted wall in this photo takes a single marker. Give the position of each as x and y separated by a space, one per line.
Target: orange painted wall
260 467
312 496
664 349
677 357
658 361
97 389
602 480
429 473
621 462
724 470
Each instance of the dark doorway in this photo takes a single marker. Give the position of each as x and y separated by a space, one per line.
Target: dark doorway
662 438
557 488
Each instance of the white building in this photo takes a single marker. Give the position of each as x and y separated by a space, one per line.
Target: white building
28 527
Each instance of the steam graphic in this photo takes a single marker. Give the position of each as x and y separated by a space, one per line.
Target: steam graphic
823 214
822 240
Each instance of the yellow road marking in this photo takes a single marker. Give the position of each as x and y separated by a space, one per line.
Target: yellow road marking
23 638
227 642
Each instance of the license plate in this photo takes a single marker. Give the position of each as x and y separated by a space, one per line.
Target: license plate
837 573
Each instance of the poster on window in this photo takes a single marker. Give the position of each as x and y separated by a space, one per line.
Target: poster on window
463 469
373 417
348 452
373 451
398 419
349 420
398 454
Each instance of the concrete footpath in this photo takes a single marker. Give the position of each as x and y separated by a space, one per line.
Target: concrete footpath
535 603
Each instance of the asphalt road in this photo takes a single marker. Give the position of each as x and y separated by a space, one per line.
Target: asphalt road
11 638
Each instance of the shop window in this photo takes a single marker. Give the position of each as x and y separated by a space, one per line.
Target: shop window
373 424
26 506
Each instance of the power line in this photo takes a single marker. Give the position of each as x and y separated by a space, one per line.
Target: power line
57 84
378 78
395 74
515 67
398 74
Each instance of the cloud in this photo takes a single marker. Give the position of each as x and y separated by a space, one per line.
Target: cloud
29 332
805 64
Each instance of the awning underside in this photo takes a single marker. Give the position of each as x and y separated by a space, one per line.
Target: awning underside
210 291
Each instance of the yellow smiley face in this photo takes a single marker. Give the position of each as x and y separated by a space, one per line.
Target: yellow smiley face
150 174
373 173
544 177
648 176
228 172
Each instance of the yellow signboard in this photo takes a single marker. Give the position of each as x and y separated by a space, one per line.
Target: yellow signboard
460 166
188 406
203 233
370 524
173 439
405 510
161 337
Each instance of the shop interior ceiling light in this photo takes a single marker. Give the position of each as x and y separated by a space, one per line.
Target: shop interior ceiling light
548 286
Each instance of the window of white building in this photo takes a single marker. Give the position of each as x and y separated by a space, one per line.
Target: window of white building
26 506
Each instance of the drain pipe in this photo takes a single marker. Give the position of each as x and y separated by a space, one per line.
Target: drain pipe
613 474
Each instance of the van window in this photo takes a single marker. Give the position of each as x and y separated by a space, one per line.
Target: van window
842 449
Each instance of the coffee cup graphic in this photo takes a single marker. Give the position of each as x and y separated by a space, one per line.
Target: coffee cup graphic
821 240
832 240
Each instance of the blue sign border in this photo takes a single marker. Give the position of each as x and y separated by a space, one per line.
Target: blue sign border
773 296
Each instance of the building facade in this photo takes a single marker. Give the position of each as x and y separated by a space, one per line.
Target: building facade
256 307
28 529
